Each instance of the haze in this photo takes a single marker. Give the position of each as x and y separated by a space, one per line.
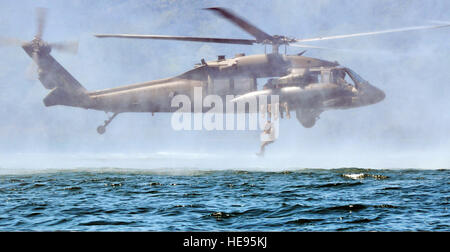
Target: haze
409 129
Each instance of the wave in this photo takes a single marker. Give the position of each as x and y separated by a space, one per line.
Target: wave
350 208
164 163
363 176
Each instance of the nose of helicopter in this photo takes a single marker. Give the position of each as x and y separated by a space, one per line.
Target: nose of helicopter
378 94
367 93
370 94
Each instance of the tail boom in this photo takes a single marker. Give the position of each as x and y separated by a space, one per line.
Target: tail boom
65 89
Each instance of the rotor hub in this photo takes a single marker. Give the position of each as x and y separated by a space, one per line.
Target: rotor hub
40 46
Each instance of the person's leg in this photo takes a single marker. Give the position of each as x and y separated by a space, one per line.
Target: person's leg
262 149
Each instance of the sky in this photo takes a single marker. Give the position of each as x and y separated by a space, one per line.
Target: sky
410 128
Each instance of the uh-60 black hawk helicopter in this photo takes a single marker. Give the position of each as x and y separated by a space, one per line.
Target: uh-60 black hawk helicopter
306 85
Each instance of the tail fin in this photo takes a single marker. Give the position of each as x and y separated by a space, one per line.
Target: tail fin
66 90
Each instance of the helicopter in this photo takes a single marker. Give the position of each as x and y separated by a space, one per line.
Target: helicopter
306 85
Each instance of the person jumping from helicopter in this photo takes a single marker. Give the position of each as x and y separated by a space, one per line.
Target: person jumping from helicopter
269 134
267 137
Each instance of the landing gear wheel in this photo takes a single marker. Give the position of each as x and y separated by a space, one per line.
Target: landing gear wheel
101 129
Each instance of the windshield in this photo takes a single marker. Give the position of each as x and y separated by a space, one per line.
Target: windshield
355 77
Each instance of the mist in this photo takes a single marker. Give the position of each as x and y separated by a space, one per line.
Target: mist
409 129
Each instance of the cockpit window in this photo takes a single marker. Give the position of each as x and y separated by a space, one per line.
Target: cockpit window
340 77
355 77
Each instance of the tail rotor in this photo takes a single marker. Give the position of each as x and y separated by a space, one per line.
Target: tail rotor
38 46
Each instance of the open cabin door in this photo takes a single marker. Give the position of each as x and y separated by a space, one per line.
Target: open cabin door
231 86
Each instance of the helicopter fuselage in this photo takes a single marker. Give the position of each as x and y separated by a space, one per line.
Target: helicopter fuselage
306 85
237 76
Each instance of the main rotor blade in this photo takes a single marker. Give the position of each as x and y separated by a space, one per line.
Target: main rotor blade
337 49
245 25
182 38
374 33
329 48
41 16
311 46
439 22
10 42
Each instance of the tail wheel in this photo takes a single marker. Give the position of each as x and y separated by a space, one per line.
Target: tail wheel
101 129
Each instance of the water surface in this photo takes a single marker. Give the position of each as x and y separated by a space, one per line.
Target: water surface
118 199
